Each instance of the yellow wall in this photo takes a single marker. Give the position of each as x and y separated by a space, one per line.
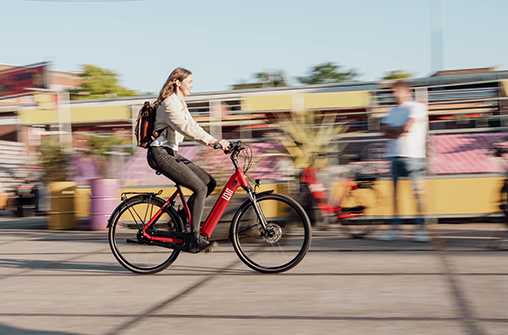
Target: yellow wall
337 100
78 114
310 101
451 196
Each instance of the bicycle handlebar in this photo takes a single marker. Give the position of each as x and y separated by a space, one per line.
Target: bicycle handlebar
234 147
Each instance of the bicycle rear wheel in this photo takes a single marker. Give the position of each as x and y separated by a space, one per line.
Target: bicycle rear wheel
359 201
127 221
282 245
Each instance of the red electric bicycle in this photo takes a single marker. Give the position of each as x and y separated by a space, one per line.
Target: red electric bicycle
270 232
348 211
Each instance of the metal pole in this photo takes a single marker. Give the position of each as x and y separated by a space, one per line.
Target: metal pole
436 34
64 118
216 118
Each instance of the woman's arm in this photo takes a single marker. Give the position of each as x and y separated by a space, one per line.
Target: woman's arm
188 128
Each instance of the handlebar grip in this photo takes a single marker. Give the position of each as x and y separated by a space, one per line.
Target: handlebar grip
217 146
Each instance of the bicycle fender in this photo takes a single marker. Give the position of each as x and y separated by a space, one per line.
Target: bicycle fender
264 193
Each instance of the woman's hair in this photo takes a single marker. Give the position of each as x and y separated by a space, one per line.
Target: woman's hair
170 85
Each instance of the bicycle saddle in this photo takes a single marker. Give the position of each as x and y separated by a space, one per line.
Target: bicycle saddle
365 177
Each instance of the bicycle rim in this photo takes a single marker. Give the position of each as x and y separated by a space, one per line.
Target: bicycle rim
279 248
127 222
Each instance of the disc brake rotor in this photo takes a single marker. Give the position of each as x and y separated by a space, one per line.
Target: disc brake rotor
273 233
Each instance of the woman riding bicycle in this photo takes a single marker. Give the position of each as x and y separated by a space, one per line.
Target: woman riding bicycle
174 122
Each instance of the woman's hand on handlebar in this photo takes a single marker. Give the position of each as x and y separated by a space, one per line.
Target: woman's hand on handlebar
221 144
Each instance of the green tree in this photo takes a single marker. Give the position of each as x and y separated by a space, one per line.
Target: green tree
271 79
397 74
327 73
100 147
54 161
264 79
99 83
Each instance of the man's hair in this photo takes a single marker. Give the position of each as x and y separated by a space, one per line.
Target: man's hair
401 84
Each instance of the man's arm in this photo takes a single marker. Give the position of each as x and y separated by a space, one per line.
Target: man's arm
396 132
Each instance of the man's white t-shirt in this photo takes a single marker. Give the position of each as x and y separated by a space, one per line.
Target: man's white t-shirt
413 144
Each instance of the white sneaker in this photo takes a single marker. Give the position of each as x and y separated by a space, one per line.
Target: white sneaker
421 236
391 235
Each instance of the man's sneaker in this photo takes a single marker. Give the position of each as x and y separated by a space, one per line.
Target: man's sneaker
202 244
421 236
391 235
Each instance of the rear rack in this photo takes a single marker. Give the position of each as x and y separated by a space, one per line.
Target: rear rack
152 194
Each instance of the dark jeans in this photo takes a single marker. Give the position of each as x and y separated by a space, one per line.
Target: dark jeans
414 168
185 173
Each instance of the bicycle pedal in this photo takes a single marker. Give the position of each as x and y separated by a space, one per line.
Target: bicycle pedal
211 247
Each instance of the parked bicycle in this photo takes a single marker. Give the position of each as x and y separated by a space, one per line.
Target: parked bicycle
270 232
349 209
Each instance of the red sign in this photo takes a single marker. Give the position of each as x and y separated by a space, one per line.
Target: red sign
19 80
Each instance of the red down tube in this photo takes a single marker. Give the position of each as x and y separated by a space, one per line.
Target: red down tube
236 180
318 191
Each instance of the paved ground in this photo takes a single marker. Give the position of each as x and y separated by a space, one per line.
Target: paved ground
58 282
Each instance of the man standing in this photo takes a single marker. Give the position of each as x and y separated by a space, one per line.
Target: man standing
406 128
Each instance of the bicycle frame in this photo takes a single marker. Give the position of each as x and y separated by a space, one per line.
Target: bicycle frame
318 192
235 181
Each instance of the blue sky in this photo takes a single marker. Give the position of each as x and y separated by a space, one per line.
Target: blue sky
224 42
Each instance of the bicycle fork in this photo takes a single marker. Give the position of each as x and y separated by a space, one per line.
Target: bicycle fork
259 213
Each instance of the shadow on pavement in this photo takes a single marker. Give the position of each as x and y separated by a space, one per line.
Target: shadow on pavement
4 329
463 237
59 266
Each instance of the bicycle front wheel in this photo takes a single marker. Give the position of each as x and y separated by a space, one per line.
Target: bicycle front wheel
284 242
127 221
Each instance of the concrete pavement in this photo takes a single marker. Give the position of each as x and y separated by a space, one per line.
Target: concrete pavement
68 282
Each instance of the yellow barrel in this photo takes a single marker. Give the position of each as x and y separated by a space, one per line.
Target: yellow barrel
62 214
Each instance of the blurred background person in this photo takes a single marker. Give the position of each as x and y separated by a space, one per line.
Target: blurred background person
406 126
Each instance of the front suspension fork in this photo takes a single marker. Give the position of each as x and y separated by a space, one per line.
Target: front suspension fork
257 209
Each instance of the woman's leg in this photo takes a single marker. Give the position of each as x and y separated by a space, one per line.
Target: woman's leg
207 179
179 170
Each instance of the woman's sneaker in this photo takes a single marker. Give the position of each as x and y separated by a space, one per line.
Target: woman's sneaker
202 244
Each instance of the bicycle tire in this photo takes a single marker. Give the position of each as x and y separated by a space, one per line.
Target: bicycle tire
127 220
361 226
270 251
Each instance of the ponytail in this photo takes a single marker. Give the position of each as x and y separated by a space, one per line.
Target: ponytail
178 74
